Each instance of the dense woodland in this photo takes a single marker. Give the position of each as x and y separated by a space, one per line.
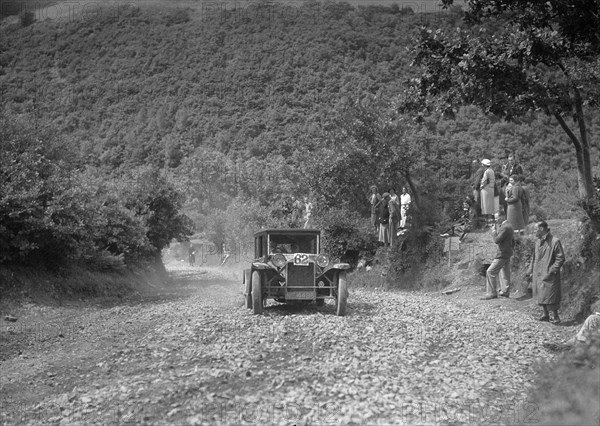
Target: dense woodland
124 131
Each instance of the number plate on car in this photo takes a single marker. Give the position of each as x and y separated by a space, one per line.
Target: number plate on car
300 295
301 259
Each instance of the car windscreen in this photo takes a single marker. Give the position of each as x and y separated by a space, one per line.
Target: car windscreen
293 244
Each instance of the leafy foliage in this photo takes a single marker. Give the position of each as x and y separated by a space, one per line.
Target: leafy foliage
240 110
513 56
346 236
54 211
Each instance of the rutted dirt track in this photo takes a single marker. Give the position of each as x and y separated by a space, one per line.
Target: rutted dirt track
194 355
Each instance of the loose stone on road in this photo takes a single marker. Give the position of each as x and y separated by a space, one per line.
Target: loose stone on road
194 355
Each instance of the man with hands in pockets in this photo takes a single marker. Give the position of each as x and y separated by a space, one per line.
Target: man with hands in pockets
548 257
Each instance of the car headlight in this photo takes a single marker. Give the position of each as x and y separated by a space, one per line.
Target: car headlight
279 260
322 260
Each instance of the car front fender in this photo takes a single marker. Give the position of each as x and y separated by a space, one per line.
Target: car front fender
340 266
335 267
261 266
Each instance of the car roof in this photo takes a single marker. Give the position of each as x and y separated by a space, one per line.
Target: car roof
287 231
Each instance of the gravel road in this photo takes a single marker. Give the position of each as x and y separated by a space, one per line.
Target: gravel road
193 355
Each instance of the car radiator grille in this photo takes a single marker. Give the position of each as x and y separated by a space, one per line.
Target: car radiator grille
300 276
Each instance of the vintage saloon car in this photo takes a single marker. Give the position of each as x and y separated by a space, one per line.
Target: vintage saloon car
288 267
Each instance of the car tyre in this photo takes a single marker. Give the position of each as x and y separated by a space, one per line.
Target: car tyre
248 288
257 296
342 294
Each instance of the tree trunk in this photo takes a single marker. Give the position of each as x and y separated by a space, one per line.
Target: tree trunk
582 152
586 165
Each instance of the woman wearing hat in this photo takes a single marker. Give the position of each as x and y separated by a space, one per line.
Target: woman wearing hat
488 205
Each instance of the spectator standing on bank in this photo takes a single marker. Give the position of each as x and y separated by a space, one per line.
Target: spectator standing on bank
503 237
307 212
510 168
488 204
394 197
405 201
548 257
524 199
499 198
476 185
296 211
395 215
514 194
374 198
384 220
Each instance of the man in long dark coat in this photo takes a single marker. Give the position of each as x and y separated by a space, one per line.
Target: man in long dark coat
548 257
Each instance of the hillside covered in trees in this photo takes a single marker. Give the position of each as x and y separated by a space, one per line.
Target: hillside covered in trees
236 110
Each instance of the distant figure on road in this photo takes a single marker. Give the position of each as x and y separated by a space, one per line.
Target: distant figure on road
501 264
548 257
192 255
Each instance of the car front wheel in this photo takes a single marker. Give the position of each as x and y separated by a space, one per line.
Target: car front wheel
342 294
248 288
257 297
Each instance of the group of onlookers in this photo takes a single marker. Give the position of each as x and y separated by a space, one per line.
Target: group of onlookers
548 255
389 213
301 212
503 189
502 200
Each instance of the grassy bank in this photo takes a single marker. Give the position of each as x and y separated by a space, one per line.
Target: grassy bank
20 284
567 390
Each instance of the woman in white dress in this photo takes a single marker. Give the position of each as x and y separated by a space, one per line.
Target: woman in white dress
488 205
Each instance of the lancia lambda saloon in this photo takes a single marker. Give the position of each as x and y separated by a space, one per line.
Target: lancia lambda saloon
288 267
